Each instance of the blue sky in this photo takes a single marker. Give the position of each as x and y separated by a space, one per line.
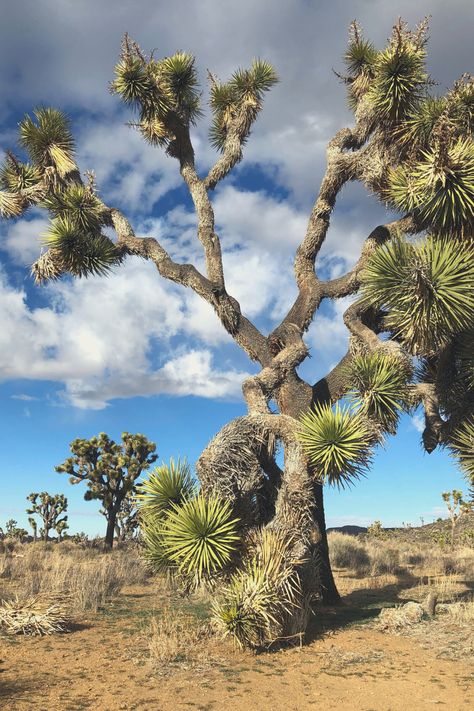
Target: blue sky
133 352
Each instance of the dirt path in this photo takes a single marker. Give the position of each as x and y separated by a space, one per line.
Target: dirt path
100 666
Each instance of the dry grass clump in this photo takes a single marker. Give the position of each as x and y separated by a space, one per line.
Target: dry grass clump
461 612
384 559
347 552
396 619
34 616
87 576
176 638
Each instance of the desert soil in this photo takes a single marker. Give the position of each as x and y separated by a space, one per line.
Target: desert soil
102 665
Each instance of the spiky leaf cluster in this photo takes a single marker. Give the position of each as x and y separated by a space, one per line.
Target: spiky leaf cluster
194 538
49 140
337 441
78 205
167 485
252 608
439 187
200 535
359 59
461 444
400 77
81 253
240 99
19 177
379 387
417 128
428 289
164 92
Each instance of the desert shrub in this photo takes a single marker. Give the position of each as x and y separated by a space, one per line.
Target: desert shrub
383 559
347 552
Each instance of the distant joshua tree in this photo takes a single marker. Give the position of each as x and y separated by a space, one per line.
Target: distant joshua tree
110 471
49 509
412 286
457 507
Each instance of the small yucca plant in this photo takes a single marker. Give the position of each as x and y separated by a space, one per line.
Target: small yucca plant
200 535
167 485
253 607
379 387
337 441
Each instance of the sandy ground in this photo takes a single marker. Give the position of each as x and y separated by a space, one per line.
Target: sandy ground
101 665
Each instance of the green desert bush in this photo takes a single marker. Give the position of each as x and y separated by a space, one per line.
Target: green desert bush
348 552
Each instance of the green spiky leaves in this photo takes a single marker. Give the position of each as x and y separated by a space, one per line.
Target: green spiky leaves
164 92
241 95
253 606
380 388
200 535
462 447
79 205
21 183
169 484
48 140
440 187
195 538
400 79
82 254
337 442
428 289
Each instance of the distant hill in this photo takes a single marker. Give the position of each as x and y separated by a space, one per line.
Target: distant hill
416 533
350 530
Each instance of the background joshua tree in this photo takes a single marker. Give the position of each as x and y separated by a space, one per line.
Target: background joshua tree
413 299
13 531
49 508
109 470
457 507
127 523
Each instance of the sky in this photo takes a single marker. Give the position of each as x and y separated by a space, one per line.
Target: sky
133 352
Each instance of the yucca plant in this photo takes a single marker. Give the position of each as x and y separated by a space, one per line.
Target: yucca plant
379 387
78 205
337 441
167 485
428 289
417 128
19 177
244 91
253 607
200 535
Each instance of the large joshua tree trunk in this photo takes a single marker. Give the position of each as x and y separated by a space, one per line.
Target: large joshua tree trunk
240 465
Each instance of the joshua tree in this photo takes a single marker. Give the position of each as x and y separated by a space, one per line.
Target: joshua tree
457 507
127 522
34 525
412 298
49 508
110 470
13 531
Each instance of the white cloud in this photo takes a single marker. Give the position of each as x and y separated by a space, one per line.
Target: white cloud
22 239
418 422
24 397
